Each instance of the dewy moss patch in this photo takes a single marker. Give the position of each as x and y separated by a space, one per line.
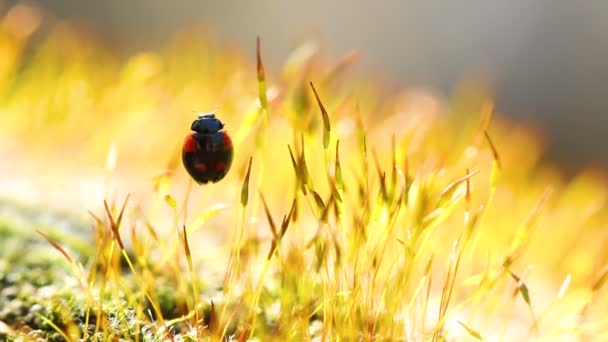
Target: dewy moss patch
34 279
39 294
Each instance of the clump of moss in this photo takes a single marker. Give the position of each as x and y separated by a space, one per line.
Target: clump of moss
31 276
351 212
40 299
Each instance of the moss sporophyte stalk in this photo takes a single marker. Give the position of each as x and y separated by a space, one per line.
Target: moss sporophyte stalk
350 212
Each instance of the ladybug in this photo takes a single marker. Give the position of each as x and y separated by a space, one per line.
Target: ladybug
207 151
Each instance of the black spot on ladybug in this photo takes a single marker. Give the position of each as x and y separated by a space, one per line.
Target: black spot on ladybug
211 160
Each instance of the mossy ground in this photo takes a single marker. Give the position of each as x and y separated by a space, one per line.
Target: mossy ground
36 283
33 277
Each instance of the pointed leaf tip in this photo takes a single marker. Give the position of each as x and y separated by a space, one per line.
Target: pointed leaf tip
449 191
122 210
56 245
245 188
494 150
273 227
521 287
261 76
114 225
471 331
171 201
187 246
290 215
305 176
326 124
296 166
318 201
260 67
338 171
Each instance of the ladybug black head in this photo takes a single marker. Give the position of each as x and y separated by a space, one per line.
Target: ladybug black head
207 123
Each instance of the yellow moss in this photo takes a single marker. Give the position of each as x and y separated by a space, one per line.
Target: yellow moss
361 272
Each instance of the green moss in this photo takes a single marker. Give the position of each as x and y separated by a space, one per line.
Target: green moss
36 280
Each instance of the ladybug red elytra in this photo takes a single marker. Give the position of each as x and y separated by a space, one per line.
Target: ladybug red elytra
207 151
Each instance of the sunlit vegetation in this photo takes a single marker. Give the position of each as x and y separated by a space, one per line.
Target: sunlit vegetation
351 212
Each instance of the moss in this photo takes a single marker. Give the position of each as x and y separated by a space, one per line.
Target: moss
436 219
35 280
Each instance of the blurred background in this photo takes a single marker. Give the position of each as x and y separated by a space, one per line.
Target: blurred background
546 60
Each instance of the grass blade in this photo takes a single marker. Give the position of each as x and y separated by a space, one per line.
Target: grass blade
338 168
54 326
273 227
261 78
245 188
497 164
200 220
326 125
471 331
521 287
57 246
